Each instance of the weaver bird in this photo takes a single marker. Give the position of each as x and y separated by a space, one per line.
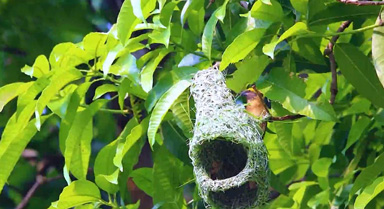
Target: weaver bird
256 106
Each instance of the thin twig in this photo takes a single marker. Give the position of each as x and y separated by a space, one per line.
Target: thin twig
286 117
361 3
329 51
40 180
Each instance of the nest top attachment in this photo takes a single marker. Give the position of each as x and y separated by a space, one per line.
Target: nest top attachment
229 158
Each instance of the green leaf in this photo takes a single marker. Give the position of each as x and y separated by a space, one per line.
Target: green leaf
290 92
94 44
127 21
368 175
129 87
175 141
308 49
336 12
59 104
321 167
31 93
190 6
143 179
66 55
10 91
241 47
296 29
161 36
162 107
357 131
251 65
136 5
182 73
167 187
267 2
207 38
104 167
377 51
39 68
300 5
77 193
359 71
131 134
78 142
196 21
75 100
13 142
166 13
270 12
220 14
133 206
103 89
182 115
369 193
125 66
149 69
58 81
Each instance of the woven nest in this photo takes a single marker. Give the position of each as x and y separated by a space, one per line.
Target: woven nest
229 158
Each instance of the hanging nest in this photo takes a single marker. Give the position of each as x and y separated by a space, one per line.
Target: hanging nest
229 158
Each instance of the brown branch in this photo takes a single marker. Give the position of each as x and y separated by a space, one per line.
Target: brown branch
329 51
40 180
286 117
362 3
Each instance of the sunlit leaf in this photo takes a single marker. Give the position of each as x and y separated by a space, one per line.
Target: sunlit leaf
149 69
377 50
78 142
163 84
39 68
241 47
270 12
58 81
298 28
207 38
368 175
127 139
10 91
77 193
13 144
162 107
369 193
103 89
104 167
66 124
127 21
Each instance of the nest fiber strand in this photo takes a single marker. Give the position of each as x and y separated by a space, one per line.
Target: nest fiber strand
229 158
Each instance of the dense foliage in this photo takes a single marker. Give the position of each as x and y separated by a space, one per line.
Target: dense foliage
113 99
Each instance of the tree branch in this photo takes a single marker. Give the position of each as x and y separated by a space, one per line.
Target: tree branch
286 117
329 51
361 3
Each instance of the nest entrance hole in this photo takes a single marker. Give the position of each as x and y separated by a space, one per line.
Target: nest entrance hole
238 197
222 159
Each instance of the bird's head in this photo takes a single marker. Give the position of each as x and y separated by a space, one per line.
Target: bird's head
251 93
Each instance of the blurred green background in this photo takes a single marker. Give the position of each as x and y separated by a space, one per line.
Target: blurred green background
28 29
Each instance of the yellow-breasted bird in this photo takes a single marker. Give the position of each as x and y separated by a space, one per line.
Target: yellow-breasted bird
256 106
